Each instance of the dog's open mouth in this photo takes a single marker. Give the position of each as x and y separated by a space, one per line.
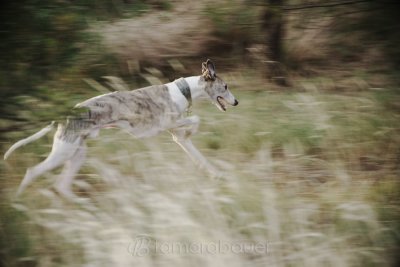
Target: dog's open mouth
221 103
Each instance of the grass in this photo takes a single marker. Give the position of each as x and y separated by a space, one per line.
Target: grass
311 175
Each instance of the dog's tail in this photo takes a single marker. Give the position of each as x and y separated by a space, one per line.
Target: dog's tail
29 139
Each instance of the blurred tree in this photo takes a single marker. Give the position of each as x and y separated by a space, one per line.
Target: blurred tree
38 37
42 38
369 23
273 26
45 48
377 20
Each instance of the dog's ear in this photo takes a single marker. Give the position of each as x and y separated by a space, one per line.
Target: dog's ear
203 67
208 70
211 68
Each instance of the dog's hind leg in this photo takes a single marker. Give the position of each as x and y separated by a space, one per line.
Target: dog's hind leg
64 182
62 151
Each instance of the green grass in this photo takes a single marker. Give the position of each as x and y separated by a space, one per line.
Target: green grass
312 174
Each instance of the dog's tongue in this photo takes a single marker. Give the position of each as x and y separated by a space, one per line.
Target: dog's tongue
221 104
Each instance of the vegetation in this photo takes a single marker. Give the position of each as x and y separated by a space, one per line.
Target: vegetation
310 170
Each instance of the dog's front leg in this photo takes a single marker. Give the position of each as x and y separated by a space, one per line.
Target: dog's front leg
189 125
181 135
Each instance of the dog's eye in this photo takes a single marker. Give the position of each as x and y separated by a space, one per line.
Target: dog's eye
226 87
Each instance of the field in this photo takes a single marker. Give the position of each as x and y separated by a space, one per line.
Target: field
309 159
310 178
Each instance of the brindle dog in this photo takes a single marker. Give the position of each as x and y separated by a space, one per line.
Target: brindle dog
143 112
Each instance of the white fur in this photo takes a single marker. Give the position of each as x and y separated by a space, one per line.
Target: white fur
176 96
195 90
60 153
28 140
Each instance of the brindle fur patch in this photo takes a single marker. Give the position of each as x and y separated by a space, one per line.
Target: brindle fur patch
143 109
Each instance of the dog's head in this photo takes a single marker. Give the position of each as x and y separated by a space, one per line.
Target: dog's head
216 88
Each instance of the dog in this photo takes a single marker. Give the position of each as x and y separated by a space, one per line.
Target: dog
142 112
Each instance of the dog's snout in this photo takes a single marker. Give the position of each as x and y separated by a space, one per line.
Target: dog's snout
236 103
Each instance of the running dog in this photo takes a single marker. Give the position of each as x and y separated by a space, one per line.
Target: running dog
142 112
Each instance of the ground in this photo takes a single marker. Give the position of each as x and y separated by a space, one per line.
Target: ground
310 171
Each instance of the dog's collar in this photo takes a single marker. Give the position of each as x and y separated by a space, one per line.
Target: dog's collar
185 89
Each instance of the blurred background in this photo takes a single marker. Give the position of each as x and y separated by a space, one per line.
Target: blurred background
310 157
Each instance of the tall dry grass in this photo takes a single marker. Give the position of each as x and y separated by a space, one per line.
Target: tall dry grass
294 190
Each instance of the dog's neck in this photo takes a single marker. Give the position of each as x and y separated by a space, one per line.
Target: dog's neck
196 87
